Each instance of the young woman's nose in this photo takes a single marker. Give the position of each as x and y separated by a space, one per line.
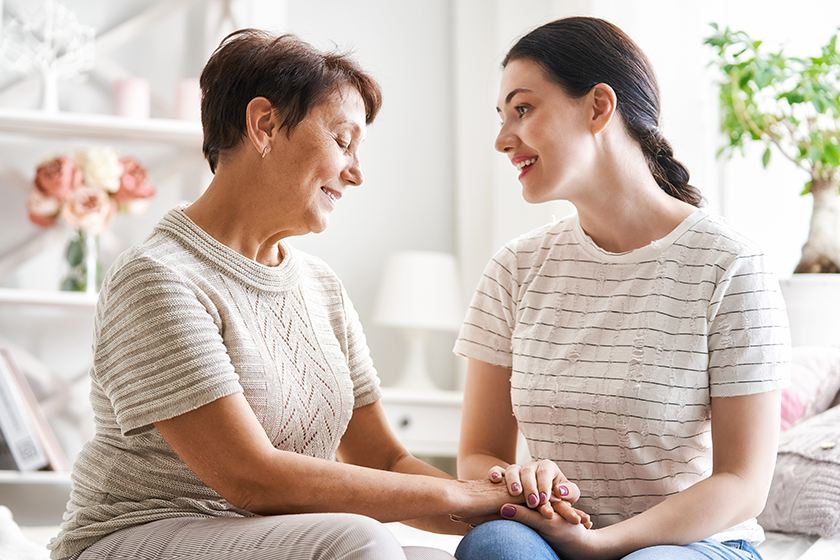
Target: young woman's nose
505 140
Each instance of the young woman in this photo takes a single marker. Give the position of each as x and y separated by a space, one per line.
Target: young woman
639 344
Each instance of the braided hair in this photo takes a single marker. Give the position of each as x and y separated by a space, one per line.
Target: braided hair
578 53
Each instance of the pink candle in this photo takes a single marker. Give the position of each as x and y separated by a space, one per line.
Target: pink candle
132 98
188 100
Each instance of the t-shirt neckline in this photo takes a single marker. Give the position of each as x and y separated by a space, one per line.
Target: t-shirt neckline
647 252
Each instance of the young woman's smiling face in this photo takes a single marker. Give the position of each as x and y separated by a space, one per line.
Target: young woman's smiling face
545 133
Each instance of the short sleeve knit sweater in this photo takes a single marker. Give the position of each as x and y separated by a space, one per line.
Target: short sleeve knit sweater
615 357
183 320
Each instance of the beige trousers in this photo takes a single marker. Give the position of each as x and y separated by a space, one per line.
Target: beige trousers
313 536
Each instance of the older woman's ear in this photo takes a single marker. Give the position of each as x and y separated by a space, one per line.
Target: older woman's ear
262 124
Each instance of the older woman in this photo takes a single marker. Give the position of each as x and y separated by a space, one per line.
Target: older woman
229 369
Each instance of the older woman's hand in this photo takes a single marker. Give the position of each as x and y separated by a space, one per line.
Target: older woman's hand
544 487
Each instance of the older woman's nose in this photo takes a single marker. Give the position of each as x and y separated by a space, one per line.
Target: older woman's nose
353 173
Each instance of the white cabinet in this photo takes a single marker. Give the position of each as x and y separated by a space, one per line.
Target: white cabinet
428 423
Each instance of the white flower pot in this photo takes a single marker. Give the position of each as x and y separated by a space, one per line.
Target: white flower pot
813 306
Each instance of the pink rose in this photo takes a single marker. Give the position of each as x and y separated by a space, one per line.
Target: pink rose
43 209
58 177
89 209
133 183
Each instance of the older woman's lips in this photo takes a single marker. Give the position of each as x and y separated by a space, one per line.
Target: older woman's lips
334 196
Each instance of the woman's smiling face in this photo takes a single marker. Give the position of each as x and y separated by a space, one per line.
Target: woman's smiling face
316 163
545 133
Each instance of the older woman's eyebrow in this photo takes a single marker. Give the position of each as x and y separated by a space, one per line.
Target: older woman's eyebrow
511 95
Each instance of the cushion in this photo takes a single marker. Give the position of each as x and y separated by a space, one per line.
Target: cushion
805 492
814 383
13 544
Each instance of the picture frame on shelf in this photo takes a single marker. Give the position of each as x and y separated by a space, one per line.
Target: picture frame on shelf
28 440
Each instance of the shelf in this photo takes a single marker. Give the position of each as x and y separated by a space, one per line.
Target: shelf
82 125
397 395
35 498
34 477
47 298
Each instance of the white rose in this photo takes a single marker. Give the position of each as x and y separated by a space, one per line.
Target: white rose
101 168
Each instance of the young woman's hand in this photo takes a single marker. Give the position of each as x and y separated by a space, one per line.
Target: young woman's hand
569 540
544 487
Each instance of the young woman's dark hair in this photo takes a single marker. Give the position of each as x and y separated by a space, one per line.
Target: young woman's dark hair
290 73
579 52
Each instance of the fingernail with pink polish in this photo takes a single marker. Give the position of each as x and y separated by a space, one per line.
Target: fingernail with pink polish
515 487
494 476
543 497
563 490
508 511
532 500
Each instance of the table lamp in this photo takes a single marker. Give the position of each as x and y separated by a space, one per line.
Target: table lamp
420 293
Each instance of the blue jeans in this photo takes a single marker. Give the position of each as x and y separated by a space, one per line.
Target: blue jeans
509 540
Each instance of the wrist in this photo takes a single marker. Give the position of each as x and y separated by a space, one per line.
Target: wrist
589 546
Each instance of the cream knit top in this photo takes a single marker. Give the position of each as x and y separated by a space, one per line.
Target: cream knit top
181 321
615 357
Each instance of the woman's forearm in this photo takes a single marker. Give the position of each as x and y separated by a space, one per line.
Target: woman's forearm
409 464
709 507
745 438
328 486
476 466
224 445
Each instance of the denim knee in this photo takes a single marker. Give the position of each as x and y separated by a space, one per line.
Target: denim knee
504 540
702 550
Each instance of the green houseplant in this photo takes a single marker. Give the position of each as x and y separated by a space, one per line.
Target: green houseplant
792 106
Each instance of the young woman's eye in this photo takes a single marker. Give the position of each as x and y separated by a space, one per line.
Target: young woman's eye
520 110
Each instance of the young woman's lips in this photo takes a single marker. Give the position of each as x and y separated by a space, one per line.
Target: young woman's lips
524 164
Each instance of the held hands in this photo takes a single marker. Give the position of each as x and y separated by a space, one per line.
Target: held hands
550 497
546 490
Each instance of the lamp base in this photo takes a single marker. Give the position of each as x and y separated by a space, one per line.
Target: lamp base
416 374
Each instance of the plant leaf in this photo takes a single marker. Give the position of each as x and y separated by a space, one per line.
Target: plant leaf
832 155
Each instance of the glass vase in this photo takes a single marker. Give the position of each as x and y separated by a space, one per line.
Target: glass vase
85 267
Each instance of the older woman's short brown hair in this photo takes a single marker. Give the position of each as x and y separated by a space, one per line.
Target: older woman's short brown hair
290 73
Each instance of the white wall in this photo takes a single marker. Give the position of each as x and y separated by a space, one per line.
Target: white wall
763 204
432 179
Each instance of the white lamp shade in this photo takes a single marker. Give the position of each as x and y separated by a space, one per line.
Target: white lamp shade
420 290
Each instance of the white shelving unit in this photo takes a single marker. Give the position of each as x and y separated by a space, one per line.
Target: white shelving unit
52 324
94 126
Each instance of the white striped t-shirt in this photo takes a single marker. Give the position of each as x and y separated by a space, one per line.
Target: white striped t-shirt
615 357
